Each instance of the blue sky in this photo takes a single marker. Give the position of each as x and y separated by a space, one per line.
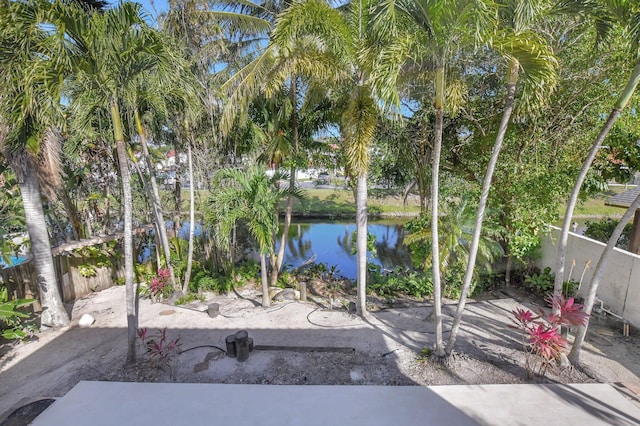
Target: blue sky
160 5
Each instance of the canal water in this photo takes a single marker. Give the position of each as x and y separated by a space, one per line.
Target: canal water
332 243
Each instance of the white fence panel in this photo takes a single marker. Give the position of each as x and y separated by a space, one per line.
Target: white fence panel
619 288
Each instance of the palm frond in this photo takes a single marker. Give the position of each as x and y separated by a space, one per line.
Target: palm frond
358 129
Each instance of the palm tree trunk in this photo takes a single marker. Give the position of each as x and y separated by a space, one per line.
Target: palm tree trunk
634 79
574 355
156 205
435 194
177 195
130 291
192 221
292 182
477 229
75 220
53 313
266 300
361 243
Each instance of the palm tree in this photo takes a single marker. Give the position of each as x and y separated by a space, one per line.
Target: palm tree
248 197
116 47
442 27
456 229
32 65
148 99
523 50
192 209
281 68
605 14
343 48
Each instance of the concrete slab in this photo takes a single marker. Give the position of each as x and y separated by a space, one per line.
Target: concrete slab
113 403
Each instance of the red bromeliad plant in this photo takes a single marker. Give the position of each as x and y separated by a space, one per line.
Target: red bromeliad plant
542 342
160 283
162 352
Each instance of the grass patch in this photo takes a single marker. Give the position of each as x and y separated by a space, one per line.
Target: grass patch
595 206
340 203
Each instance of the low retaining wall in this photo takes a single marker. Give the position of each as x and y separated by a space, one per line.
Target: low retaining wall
619 288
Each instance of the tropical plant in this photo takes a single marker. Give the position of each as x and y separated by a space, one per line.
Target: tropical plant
541 283
399 281
11 213
443 27
33 63
115 48
456 228
161 351
160 285
280 73
249 198
527 51
11 316
542 343
345 50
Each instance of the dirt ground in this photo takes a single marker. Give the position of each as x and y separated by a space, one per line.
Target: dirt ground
314 342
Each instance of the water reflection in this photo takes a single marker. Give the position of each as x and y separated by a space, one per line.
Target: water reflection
333 243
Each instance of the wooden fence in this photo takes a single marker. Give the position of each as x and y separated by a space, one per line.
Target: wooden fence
21 280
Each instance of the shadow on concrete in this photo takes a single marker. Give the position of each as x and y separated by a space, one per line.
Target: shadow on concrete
592 404
94 354
99 354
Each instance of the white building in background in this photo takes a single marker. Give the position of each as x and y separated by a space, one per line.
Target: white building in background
167 169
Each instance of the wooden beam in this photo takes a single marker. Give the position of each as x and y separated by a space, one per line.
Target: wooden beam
69 247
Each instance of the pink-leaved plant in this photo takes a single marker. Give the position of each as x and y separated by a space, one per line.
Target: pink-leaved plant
161 351
542 341
160 282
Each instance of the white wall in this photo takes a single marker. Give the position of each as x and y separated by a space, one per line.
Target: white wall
619 288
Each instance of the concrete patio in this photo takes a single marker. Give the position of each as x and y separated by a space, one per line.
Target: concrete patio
114 403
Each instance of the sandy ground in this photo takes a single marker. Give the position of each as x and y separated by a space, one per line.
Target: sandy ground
383 349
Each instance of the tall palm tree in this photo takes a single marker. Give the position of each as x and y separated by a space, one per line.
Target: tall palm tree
248 197
33 62
442 27
605 14
527 52
281 67
366 64
148 99
116 47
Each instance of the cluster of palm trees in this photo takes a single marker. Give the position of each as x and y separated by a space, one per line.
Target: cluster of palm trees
99 61
75 71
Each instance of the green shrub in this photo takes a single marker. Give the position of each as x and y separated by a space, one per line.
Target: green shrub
453 279
11 318
487 281
398 281
569 288
286 280
203 281
541 283
188 298
602 230
246 272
